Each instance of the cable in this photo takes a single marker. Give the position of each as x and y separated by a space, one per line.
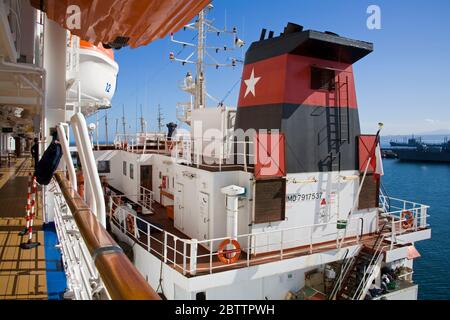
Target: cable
229 92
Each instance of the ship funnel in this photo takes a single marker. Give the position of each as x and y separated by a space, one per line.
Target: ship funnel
301 85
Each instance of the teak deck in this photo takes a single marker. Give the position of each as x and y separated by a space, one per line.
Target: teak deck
22 272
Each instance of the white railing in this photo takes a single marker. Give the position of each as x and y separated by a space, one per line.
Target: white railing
83 279
397 211
182 253
146 199
141 142
271 245
219 153
184 112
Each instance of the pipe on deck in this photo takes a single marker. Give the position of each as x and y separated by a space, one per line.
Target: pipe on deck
120 277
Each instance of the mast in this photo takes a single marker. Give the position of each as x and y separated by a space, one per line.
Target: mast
200 79
202 56
143 125
123 121
160 119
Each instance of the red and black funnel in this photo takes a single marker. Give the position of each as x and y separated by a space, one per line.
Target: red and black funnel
301 83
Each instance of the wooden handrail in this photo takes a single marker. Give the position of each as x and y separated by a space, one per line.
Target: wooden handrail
121 278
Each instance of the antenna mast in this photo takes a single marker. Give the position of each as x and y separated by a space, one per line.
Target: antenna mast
204 26
143 124
160 119
200 79
124 124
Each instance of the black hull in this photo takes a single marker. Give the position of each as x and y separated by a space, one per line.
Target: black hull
423 156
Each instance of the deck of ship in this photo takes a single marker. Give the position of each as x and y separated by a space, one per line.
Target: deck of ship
22 272
211 264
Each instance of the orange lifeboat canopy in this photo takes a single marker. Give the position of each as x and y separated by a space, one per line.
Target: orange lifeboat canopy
117 23
97 48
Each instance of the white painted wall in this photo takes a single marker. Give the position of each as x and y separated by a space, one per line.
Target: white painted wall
116 178
339 194
194 183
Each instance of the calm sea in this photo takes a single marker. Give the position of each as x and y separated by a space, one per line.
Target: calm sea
428 184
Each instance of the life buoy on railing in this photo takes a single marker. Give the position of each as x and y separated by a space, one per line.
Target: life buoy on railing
229 256
407 219
130 224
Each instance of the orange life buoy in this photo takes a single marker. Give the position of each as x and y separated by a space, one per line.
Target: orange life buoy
407 219
229 256
130 224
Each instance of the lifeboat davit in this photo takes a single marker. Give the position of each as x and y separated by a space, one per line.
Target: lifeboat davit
97 72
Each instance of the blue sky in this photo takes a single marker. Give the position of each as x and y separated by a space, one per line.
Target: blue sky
404 83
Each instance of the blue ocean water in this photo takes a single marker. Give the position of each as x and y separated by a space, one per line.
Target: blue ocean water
429 184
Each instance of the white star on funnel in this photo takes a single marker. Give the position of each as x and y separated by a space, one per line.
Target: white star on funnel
251 83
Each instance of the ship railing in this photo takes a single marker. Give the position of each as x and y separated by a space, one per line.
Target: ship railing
166 246
141 142
215 153
184 111
187 257
141 202
405 216
83 279
96 267
146 199
277 245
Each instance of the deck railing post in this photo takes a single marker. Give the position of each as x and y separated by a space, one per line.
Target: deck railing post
184 257
193 257
210 255
149 248
393 236
423 216
165 247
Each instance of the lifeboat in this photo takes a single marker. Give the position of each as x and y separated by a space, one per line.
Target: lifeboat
96 70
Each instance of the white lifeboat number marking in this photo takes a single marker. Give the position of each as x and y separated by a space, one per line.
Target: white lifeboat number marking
108 87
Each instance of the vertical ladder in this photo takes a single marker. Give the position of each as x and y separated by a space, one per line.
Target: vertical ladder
338 123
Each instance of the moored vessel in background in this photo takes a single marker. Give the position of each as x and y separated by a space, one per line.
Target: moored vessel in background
425 152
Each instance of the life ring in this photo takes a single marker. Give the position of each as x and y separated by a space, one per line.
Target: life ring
130 224
229 256
407 219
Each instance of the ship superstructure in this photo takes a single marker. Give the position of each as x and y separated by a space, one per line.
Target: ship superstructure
278 198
